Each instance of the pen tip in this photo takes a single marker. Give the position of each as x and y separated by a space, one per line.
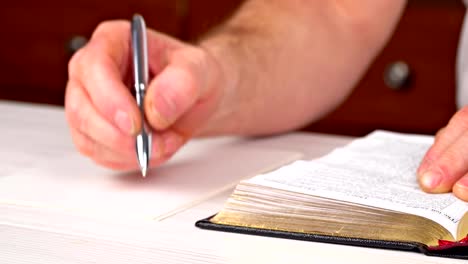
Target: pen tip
143 172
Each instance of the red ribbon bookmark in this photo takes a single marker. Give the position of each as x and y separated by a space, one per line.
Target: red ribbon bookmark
445 244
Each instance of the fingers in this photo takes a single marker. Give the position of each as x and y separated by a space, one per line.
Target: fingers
100 154
449 167
445 137
437 147
93 135
106 145
100 68
83 117
445 166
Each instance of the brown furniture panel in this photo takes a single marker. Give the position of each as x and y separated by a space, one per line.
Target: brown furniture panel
37 38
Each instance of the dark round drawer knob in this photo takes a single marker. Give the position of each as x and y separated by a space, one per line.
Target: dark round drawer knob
76 43
397 75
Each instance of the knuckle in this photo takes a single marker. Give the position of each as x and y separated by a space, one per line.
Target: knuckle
185 91
191 88
460 119
452 162
103 26
75 109
80 119
439 135
464 111
71 97
74 64
110 26
197 59
191 72
440 132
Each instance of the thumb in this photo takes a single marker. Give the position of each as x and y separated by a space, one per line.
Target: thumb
174 91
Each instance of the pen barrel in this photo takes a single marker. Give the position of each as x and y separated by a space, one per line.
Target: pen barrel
140 97
141 76
144 137
140 53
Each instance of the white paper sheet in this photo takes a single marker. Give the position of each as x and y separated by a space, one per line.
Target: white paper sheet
42 169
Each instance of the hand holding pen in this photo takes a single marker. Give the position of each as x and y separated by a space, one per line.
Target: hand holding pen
183 93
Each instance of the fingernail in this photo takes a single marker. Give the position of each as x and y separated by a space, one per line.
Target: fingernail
124 122
460 189
172 143
430 180
162 102
463 183
162 122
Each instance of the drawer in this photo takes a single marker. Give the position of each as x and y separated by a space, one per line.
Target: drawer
38 37
425 42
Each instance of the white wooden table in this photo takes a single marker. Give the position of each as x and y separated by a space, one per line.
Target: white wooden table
27 131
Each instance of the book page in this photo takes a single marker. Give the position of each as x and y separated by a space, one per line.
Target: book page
378 170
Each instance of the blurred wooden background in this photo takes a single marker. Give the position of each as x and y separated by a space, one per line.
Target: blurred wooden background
410 87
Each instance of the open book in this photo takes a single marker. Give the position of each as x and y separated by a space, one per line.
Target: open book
365 194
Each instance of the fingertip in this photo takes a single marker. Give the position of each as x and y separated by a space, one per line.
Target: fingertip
154 117
165 145
429 181
434 180
460 189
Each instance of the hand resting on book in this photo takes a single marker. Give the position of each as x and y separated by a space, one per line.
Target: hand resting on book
445 165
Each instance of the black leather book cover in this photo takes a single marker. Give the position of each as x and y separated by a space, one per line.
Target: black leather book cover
456 250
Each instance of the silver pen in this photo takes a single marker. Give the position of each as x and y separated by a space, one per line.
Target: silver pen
140 75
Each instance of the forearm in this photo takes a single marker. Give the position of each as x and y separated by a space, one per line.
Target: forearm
286 63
